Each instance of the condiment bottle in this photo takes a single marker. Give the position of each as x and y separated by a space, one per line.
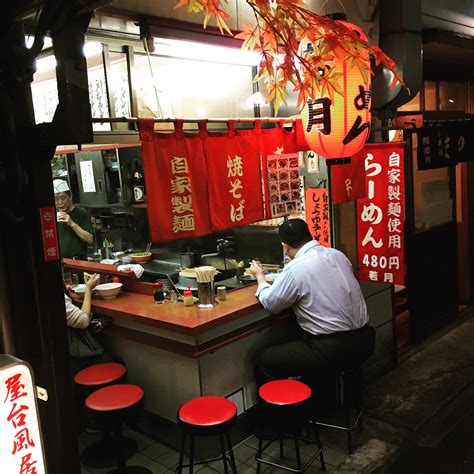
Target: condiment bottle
158 294
188 298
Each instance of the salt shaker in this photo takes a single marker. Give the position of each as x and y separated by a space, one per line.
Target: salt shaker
173 296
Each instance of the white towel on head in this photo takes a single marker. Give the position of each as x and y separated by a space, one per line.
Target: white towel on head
132 267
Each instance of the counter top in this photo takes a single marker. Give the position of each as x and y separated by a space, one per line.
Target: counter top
177 317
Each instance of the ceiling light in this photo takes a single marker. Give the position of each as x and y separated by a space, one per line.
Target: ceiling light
205 52
451 101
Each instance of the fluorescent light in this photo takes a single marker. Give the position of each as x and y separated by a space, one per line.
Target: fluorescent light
206 52
45 64
48 42
92 48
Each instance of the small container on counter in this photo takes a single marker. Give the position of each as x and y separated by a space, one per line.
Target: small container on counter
158 293
116 280
221 293
188 298
173 296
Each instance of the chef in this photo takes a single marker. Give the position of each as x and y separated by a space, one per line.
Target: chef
74 225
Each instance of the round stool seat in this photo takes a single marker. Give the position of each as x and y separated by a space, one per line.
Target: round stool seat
100 374
114 397
207 411
284 392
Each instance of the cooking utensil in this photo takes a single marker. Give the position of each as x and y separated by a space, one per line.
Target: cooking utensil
188 260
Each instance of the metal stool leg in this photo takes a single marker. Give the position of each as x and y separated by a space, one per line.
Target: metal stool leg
191 456
320 446
349 432
181 453
231 453
260 447
224 458
297 450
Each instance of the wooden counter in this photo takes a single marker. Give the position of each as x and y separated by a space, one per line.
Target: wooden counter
189 320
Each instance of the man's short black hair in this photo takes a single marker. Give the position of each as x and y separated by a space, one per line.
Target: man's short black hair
294 232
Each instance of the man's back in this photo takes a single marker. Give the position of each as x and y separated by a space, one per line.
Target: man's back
322 290
330 298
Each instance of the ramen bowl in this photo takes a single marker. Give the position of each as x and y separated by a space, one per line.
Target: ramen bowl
107 291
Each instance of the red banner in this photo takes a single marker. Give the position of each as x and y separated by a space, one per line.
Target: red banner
233 176
317 215
381 216
48 231
348 180
176 181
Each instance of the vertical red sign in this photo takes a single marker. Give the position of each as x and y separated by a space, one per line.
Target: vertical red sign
317 215
48 231
381 215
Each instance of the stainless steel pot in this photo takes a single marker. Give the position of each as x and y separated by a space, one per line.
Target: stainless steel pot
188 260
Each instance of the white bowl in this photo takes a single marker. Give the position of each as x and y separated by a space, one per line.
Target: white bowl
107 291
80 290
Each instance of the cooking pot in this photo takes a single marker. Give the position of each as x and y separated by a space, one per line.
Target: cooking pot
188 260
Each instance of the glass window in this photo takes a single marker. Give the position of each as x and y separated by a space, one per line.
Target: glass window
97 86
430 95
44 89
452 96
189 88
432 195
119 85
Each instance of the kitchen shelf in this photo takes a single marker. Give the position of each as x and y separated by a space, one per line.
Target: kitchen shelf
139 206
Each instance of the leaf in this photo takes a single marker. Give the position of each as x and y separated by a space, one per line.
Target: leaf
251 37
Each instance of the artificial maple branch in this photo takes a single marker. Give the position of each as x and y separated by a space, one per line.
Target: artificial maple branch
282 25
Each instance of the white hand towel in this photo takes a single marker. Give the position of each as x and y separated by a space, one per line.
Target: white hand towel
132 267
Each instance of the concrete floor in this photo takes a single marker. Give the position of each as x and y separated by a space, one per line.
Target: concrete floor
419 418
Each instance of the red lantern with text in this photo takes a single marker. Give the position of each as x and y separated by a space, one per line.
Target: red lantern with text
338 126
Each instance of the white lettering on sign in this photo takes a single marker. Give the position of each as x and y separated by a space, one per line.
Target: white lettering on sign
21 449
181 196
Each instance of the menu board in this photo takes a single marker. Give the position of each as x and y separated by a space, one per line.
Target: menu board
283 184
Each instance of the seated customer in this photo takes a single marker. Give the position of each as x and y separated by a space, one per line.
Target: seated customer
332 322
84 348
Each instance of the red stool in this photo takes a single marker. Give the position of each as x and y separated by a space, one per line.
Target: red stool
111 407
102 453
207 416
286 402
99 375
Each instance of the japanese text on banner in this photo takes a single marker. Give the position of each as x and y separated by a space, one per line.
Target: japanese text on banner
19 434
317 215
181 196
380 216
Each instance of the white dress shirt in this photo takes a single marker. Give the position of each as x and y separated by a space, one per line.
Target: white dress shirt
321 288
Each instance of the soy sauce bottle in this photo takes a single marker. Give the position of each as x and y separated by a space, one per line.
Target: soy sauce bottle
158 294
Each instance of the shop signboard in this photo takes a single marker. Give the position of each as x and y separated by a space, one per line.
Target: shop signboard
381 216
317 215
49 233
21 448
445 145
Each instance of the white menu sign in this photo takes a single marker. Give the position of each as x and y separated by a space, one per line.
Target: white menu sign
21 448
87 176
